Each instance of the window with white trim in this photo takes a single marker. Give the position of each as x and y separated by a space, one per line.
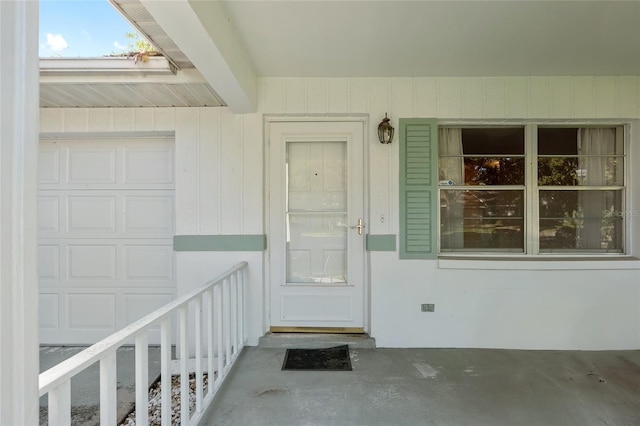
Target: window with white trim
533 189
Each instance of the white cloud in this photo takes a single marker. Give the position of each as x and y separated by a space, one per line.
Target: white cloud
119 46
56 42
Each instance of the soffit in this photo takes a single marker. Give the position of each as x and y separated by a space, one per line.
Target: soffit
120 82
294 38
129 95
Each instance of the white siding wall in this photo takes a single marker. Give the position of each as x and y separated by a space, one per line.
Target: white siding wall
504 304
218 180
219 190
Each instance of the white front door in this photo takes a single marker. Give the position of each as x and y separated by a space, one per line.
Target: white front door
316 201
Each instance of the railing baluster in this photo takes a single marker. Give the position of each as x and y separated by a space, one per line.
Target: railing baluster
241 308
142 378
165 371
227 322
210 344
219 339
60 405
108 389
234 313
184 371
198 329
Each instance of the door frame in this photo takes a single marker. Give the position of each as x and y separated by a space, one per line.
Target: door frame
362 119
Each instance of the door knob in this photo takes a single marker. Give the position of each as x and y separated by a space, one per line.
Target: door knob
359 226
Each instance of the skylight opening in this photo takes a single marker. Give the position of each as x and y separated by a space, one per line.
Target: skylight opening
86 29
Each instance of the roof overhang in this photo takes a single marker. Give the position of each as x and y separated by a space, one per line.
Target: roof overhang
207 36
121 83
231 42
105 66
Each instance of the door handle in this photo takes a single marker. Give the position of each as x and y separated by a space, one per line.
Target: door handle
359 226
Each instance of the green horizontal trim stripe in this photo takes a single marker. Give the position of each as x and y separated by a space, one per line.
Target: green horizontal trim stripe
381 242
256 242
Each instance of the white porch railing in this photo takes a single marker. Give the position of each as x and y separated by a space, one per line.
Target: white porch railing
218 312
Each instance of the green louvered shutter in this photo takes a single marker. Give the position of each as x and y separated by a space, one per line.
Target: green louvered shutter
418 188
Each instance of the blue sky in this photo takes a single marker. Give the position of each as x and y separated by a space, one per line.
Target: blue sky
81 28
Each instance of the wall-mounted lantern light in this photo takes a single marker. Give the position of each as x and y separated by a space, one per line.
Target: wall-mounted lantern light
385 130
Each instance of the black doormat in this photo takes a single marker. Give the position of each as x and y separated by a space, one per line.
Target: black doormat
329 359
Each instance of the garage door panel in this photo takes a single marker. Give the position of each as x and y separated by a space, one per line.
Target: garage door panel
91 214
138 304
48 262
87 315
153 214
148 166
48 311
106 224
117 285
48 213
92 311
49 166
91 165
148 262
95 262
106 214
117 186
107 164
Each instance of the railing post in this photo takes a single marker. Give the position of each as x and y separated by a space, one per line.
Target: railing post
165 371
60 405
198 317
227 321
108 389
210 344
184 371
241 306
142 378
219 340
233 306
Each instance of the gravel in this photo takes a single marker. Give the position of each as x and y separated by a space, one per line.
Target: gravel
155 399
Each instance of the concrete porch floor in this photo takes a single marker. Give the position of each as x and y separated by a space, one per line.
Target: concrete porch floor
448 387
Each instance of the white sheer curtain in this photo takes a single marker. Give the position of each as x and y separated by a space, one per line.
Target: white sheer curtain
450 143
598 145
451 169
595 147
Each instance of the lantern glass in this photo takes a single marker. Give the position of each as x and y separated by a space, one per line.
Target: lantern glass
385 130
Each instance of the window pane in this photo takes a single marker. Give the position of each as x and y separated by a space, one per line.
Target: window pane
317 248
483 220
558 171
600 170
581 220
574 171
316 176
494 171
557 141
481 156
580 156
493 141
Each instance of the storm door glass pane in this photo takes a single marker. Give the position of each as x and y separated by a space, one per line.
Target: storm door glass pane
316 212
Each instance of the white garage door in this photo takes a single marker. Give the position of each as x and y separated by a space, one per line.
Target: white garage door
106 223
